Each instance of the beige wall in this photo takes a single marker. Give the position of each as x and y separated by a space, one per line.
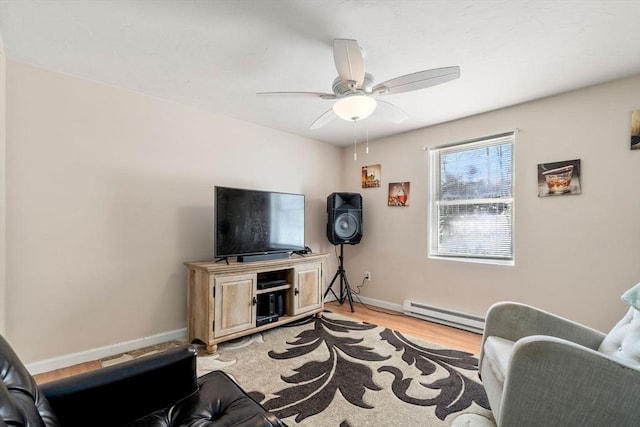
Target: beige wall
109 191
574 255
2 187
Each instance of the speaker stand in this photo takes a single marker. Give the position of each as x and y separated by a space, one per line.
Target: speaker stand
345 290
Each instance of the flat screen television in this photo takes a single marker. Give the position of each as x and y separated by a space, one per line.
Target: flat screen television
255 225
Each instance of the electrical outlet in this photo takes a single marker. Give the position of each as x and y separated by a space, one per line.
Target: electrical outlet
367 275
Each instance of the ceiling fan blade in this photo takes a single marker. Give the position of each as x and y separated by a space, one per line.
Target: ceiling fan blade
299 94
415 81
326 118
391 112
349 61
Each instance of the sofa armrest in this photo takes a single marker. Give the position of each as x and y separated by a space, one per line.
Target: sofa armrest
580 386
513 321
121 393
221 399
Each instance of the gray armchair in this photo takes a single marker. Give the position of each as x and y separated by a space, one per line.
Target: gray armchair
543 370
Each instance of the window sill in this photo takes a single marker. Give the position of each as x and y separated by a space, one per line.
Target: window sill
505 262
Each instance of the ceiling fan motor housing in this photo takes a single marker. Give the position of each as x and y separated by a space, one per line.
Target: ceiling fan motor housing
342 88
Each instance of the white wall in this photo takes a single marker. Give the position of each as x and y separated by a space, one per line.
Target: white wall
574 255
109 192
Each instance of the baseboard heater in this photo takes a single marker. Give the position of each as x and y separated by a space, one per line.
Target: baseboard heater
457 319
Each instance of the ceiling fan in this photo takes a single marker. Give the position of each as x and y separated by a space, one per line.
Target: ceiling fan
356 92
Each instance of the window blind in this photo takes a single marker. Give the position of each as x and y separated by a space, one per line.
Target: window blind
471 207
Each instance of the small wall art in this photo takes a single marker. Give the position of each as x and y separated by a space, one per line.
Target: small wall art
399 193
559 178
635 130
371 176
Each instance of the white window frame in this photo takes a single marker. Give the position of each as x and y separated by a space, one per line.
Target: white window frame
435 202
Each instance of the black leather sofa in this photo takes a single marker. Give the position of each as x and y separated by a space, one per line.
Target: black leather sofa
156 390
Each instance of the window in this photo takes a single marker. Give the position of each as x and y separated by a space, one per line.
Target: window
471 200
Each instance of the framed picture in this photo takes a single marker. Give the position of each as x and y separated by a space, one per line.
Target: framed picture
371 176
635 130
398 194
559 178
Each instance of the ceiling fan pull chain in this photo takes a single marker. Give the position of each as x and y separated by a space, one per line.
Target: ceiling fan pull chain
355 140
366 150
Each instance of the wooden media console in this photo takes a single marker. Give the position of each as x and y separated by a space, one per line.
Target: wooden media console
223 299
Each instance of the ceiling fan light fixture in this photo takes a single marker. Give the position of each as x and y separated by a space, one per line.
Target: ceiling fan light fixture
355 107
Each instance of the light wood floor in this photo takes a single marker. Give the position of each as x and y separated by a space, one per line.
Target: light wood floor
433 332
438 334
67 372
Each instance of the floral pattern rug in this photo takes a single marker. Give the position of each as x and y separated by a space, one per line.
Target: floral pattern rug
334 371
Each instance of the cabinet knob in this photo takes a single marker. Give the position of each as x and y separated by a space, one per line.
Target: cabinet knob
254 301
296 291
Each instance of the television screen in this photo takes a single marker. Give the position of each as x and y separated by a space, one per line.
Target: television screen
251 222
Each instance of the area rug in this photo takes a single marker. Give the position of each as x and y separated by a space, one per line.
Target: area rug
334 371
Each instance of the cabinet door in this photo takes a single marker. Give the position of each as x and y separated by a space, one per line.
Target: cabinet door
235 310
308 287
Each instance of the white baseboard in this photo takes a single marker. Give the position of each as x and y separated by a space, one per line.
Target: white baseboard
371 302
111 350
102 352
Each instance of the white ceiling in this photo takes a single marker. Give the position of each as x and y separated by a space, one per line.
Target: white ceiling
217 54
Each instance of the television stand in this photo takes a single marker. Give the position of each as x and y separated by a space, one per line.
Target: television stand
225 302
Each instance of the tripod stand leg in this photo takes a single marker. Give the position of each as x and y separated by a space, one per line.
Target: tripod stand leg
330 288
347 290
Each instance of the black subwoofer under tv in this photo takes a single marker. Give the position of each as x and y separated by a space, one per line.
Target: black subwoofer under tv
263 257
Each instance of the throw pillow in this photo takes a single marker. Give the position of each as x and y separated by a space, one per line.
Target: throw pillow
632 296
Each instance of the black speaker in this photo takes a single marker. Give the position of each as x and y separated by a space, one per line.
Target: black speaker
266 304
280 304
344 214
